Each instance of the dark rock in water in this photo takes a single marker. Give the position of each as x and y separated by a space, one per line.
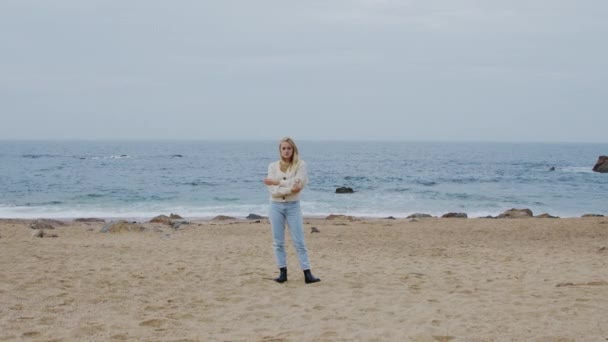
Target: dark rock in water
552 168
419 215
344 190
314 230
601 165
164 219
516 213
593 215
89 220
254 217
121 226
488 217
390 218
177 156
223 218
175 217
455 215
545 215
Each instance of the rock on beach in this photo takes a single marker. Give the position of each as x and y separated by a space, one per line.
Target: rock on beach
516 213
455 215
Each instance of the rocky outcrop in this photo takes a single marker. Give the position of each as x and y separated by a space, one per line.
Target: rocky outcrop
601 165
175 217
419 215
223 218
164 219
455 215
516 213
593 215
254 217
344 190
339 217
545 215
89 220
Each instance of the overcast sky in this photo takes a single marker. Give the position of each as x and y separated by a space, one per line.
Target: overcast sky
443 70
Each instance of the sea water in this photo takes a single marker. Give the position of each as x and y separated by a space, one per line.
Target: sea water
202 179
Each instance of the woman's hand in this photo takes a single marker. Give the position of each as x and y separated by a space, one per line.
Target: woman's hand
296 188
269 181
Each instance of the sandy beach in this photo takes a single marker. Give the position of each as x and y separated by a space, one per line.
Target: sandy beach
431 279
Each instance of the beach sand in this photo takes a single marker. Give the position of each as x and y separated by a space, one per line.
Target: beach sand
382 280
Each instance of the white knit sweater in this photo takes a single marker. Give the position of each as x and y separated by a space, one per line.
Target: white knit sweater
282 192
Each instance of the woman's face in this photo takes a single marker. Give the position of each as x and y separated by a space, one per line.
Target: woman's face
286 151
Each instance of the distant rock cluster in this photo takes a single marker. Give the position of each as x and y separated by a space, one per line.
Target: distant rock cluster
173 220
601 165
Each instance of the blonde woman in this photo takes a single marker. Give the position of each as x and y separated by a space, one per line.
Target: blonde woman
286 179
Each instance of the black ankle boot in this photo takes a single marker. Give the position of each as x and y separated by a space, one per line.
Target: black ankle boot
283 276
309 278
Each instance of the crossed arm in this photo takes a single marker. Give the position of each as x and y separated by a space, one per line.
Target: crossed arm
280 188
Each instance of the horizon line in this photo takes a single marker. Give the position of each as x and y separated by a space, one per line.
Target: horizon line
298 139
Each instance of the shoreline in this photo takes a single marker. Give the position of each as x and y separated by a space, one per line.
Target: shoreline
245 219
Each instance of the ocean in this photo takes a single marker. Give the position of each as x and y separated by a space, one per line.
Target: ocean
202 179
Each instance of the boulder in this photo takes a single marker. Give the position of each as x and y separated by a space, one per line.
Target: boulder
338 217
254 217
89 220
601 165
175 217
545 215
223 218
516 213
164 219
121 227
455 215
344 190
593 215
314 230
419 215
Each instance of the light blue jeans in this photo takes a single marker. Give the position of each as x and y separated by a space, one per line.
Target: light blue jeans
290 213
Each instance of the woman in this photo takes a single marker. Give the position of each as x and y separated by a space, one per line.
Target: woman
286 178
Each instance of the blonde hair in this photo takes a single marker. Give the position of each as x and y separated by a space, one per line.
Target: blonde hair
295 156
